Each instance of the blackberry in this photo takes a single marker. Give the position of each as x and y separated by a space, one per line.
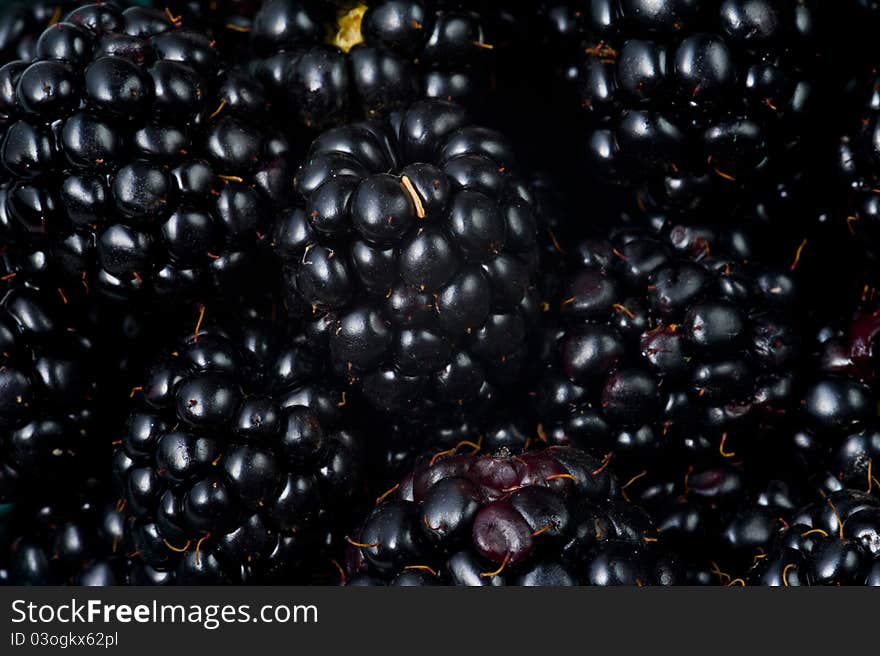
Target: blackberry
75 539
748 515
136 159
118 336
238 463
692 101
228 23
48 384
763 538
413 254
835 541
669 350
722 517
328 64
857 160
549 517
839 432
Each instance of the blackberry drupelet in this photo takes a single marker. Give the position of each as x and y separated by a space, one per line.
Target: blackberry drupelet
670 350
238 465
692 101
329 64
76 539
48 383
22 22
549 517
414 253
136 160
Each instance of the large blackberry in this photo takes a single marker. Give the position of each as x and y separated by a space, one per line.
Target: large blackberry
136 161
329 64
47 389
77 538
692 100
414 253
238 464
671 350
550 517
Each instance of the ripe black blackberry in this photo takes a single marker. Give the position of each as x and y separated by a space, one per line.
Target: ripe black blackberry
414 254
692 100
48 383
238 465
829 453
76 539
777 535
838 435
550 517
330 63
739 514
135 159
671 350
834 541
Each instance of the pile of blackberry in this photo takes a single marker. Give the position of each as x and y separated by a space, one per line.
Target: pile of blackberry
428 292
